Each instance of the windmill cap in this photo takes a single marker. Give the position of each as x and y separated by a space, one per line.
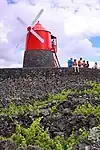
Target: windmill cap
38 26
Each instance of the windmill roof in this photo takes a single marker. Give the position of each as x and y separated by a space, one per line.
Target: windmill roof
38 26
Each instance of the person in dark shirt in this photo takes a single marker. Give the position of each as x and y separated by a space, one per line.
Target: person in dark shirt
87 64
84 64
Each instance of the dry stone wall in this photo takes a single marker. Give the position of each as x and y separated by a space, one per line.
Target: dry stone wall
26 85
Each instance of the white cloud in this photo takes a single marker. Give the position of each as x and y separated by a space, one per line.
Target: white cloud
72 21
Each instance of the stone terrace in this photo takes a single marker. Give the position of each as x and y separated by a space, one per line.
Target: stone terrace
25 85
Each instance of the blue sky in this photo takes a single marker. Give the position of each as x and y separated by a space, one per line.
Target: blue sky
12 1
95 41
75 23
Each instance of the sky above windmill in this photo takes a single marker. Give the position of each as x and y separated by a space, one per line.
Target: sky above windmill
76 23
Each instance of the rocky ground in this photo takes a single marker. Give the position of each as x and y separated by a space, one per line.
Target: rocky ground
71 115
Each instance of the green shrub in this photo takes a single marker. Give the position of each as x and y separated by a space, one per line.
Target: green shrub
88 109
94 90
35 135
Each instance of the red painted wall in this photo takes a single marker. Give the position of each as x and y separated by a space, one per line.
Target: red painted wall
32 43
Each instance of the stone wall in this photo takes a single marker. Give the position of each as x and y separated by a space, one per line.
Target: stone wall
38 58
26 85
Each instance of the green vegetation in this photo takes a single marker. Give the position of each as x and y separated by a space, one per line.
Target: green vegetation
15 110
88 109
94 90
35 135
36 106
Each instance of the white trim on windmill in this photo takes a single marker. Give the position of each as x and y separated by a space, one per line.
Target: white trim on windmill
37 17
33 22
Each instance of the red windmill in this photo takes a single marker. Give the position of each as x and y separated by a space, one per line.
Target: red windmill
41 46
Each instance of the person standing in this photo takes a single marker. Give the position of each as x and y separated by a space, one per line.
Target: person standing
95 65
84 64
75 66
87 64
80 63
70 63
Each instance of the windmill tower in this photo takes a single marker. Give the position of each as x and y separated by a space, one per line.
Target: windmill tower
41 45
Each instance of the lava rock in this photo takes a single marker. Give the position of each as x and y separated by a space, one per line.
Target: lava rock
38 58
25 120
7 145
31 147
7 126
45 112
67 111
66 123
87 146
25 85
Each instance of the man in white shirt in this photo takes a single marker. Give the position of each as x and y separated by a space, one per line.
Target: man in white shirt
95 65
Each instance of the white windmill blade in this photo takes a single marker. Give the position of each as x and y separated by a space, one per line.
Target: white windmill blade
23 38
21 41
36 18
21 21
20 44
32 31
38 36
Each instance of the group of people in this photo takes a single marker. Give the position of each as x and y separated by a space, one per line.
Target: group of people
77 64
80 64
